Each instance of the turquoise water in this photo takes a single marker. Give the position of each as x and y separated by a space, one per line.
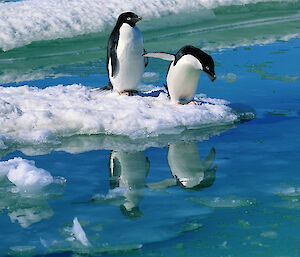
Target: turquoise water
225 190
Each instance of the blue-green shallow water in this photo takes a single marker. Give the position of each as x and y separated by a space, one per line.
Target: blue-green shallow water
255 162
246 205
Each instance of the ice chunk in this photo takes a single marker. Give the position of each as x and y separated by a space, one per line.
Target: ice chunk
25 175
228 201
79 233
22 22
33 115
230 77
3 171
22 250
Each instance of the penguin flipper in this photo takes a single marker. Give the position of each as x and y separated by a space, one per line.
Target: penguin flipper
111 61
113 58
166 87
146 59
210 158
163 56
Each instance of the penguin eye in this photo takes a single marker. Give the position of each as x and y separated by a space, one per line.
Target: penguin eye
128 18
207 67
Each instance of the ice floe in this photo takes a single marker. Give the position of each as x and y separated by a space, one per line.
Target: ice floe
23 22
79 233
29 115
25 175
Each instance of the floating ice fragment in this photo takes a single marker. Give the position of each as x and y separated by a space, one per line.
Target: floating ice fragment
25 175
229 201
3 171
288 78
230 77
193 226
289 191
269 234
22 250
79 233
151 77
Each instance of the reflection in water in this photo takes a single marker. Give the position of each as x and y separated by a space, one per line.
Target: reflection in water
128 172
186 165
187 168
27 209
84 143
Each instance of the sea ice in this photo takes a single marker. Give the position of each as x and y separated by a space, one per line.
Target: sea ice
25 175
227 201
22 22
35 116
79 233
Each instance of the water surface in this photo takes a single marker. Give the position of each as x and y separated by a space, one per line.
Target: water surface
228 189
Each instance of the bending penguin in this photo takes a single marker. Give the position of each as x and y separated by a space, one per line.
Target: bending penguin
125 61
184 72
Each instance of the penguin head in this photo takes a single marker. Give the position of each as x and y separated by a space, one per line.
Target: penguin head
206 61
129 18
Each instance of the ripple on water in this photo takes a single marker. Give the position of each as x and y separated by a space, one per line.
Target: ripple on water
229 201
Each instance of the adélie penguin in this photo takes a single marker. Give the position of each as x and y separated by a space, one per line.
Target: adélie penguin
184 72
125 61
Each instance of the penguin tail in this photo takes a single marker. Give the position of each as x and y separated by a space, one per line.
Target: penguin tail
109 86
166 87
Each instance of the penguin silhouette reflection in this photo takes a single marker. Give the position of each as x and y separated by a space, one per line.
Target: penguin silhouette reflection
128 170
187 168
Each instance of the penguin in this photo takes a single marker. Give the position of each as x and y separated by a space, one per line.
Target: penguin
125 61
184 72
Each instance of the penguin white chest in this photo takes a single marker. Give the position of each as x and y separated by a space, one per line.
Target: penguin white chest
182 79
130 60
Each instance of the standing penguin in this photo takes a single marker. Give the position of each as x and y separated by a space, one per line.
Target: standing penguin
125 61
184 72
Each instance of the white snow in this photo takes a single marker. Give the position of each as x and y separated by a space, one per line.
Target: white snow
32 115
23 22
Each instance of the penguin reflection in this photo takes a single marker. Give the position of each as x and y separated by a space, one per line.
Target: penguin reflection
187 167
128 170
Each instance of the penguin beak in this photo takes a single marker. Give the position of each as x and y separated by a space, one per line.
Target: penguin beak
211 76
138 18
214 78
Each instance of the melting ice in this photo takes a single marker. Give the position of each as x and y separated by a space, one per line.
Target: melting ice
25 175
33 115
23 22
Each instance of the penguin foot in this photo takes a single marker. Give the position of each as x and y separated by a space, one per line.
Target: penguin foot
194 102
129 92
109 86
